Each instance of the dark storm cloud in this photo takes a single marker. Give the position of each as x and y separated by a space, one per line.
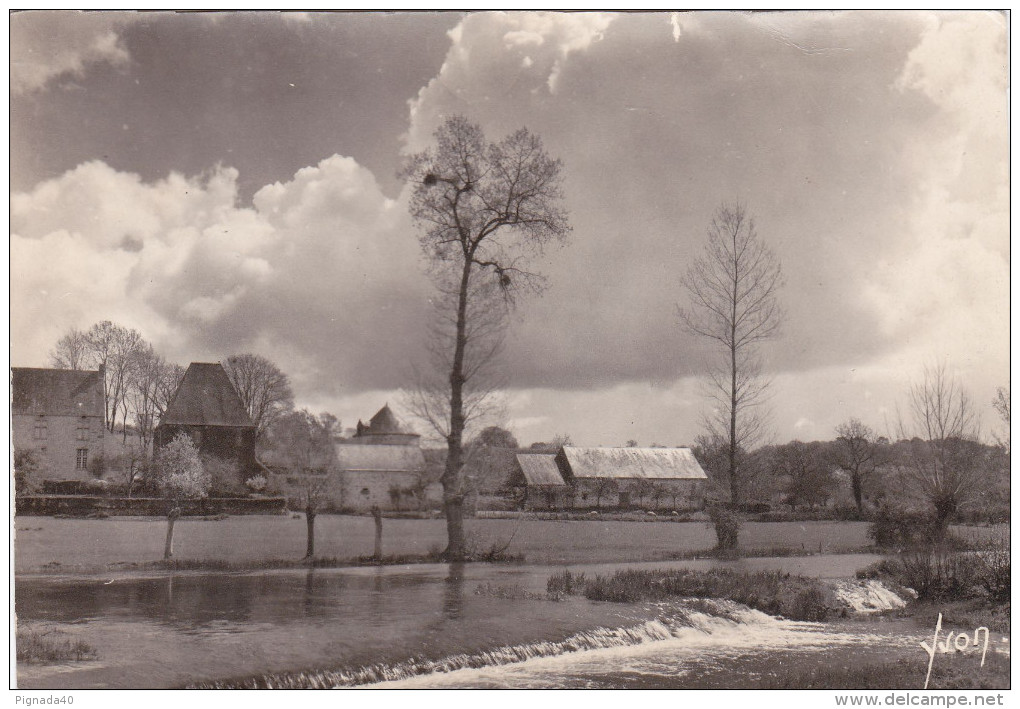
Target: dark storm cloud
255 91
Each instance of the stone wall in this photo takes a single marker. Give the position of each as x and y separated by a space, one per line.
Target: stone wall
353 491
55 440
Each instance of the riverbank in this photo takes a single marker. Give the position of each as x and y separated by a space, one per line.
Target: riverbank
49 545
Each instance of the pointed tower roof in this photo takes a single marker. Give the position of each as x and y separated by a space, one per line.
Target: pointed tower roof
206 397
385 421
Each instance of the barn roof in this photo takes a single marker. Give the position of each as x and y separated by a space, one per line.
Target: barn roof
649 463
56 392
206 397
379 458
540 468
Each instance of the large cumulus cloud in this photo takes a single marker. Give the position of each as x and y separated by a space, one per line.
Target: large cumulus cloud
320 273
870 148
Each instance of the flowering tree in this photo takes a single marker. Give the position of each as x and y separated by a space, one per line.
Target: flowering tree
180 476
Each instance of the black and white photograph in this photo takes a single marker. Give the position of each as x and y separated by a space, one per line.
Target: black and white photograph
510 350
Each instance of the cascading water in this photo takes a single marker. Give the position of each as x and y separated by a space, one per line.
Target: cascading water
695 620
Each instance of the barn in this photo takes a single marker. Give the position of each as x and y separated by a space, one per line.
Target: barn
645 478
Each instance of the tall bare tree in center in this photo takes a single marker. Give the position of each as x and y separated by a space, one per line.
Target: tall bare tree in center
482 209
733 290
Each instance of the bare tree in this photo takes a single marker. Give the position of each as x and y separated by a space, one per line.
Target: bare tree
482 209
944 461
602 487
856 452
264 389
148 371
733 290
643 488
71 351
114 348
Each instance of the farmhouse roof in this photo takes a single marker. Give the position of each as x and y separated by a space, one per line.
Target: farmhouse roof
206 397
540 468
648 463
57 392
379 458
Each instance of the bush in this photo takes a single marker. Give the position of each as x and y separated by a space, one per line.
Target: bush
726 523
256 483
898 528
936 574
26 466
993 570
225 476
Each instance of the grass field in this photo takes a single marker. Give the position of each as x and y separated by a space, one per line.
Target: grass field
51 544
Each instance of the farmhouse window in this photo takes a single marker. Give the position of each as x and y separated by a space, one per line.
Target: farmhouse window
39 431
83 430
82 459
364 491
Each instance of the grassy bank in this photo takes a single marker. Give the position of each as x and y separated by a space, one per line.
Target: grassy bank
772 592
947 673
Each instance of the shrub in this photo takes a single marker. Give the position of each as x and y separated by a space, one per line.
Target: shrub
936 574
224 476
894 527
993 570
256 483
26 465
726 523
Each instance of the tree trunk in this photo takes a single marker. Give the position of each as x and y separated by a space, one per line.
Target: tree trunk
377 514
168 548
855 484
453 492
310 521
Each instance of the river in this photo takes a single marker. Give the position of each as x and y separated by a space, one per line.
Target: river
426 625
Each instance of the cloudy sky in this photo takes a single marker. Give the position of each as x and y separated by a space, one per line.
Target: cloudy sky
227 183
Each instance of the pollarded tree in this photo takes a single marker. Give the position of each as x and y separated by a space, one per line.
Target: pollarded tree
305 445
179 476
482 210
945 462
733 289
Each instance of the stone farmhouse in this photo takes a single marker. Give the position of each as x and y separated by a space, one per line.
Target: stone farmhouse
642 478
59 414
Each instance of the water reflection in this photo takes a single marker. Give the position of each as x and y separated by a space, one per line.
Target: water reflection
453 592
180 628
